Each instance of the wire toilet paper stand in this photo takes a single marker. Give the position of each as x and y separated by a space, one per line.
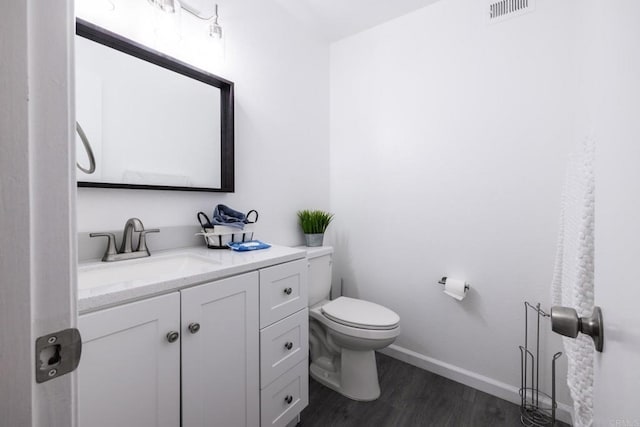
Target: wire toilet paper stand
537 408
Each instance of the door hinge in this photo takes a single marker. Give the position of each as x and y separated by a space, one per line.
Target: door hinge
57 354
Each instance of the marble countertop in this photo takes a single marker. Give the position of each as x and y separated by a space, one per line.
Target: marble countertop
224 263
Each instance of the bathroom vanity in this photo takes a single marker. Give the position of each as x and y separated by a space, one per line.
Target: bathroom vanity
194 337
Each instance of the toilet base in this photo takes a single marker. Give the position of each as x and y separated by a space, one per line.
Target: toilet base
355 378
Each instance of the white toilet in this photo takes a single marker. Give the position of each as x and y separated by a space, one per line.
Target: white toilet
344 334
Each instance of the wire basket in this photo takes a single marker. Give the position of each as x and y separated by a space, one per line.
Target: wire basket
219 236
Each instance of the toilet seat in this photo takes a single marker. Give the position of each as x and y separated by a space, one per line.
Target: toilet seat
360 314
369 334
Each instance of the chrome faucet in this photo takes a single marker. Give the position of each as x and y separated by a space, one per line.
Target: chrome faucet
132 224
126 248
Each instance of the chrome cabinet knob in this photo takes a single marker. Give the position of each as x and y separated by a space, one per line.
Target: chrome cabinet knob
565 321
194 327
173 336
288 291
288 345
288 399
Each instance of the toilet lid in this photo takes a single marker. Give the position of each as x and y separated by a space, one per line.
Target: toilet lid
360 314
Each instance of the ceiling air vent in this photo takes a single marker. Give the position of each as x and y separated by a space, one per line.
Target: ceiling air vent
505 9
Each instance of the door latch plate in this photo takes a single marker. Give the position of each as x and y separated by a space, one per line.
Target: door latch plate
57 354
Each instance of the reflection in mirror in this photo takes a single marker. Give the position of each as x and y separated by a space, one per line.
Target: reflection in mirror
152 121
88 150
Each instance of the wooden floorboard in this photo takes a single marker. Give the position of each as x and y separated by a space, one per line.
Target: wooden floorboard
410 397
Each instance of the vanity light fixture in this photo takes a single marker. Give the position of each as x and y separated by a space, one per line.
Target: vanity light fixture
215 30
173 6
168 6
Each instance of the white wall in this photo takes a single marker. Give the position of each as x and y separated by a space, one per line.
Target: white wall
280 73
449 140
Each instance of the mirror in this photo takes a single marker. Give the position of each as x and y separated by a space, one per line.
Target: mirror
152 121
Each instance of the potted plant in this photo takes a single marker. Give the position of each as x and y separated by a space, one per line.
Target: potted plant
314 223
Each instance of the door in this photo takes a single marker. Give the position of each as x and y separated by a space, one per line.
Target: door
37 205
220 353
617 243
130 369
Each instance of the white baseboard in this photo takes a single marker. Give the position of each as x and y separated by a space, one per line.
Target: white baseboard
468 378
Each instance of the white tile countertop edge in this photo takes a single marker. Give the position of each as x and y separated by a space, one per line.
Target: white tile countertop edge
225 263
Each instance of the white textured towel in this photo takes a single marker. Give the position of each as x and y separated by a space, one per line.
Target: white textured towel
573 275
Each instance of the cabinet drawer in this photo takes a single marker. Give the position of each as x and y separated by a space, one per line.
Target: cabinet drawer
283 291
286 397
283 345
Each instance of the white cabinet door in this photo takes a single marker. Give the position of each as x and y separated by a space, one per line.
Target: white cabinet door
129 374
220 362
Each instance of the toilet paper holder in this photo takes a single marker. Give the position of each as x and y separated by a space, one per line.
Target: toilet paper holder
443 281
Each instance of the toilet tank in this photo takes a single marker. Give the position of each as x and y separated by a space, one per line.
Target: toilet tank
319 273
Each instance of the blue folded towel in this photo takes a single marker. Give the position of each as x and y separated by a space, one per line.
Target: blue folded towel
224 215
251 245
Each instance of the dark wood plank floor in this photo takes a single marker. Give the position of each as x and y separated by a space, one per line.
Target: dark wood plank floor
410 397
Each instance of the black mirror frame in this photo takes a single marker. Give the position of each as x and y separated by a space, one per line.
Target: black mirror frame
122 44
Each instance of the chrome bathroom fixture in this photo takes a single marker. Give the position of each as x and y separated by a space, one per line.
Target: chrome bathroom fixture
565 321
126 248
174 6
215 30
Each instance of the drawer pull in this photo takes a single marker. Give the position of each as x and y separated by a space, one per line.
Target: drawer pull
288 399
173 336
194 327
288 291
288 345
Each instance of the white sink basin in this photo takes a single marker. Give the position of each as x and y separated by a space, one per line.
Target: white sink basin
160 268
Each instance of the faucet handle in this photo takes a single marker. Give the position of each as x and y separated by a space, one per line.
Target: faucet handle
111 244
142 242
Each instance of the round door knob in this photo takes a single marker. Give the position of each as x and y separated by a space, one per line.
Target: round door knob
288 345
173 336
288 399
565 321
194 327
288 291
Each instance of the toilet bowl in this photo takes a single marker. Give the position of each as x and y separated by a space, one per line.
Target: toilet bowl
344 334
